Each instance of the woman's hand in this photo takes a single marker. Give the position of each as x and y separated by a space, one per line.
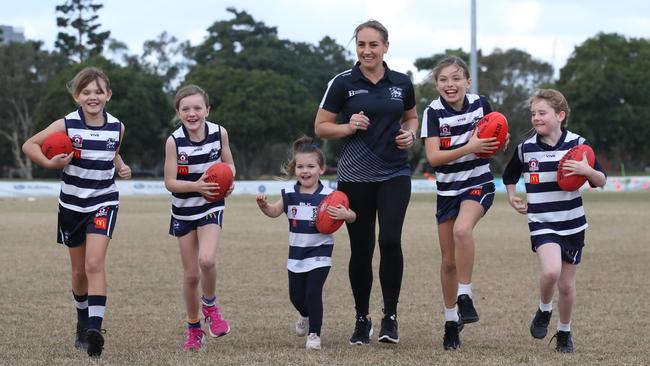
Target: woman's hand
405 139
357 122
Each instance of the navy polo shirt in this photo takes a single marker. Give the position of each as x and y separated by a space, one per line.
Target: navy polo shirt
371 155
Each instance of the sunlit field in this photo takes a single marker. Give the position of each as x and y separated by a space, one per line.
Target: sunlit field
145 321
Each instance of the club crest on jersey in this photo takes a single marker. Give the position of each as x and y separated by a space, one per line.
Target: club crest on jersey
111 144
214 154
183 158
395 92
445 130
77 140
294 212
533 165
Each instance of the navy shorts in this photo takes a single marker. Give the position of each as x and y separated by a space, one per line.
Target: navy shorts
180 228
571 245
448 207
73 226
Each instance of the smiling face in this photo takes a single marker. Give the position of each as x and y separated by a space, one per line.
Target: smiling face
371 48
192 111
452 85
545 120
92 99
307 170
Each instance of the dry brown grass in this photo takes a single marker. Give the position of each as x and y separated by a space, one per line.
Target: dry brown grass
145 316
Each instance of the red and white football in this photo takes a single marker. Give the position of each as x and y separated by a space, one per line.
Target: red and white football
55 144
493 124
222 174
324 223
574 182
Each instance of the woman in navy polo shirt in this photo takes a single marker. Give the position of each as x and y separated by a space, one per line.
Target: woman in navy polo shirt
373 109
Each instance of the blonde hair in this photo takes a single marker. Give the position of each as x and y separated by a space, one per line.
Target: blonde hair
85 77
188 90
555 100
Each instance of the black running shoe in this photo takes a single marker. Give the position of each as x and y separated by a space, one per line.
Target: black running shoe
451 338
466 309
362 331
388 332
80 340
95 342
564 342
539 325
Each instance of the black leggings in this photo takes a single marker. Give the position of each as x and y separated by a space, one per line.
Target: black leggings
306 295
386 201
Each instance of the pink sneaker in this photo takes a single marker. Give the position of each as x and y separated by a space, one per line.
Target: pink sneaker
218 326
195 339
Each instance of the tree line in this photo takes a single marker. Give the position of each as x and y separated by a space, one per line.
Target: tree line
266 90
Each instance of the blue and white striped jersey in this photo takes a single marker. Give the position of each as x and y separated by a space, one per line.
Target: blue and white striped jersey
308 249
550 209
454 129
88 182
193 159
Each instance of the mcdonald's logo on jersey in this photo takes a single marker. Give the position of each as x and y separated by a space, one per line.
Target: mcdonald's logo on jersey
76 153
101 223
534 178
445 142
183 169
476 192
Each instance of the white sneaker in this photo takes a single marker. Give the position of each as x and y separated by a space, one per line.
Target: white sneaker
313 341
302 326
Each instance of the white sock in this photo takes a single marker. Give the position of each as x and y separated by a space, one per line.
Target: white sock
464 289
546 307
563 327
451 315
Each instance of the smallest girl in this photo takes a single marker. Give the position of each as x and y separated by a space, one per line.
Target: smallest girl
310 252
196 222
556 218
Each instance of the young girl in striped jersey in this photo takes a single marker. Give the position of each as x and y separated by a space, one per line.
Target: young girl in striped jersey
195 221
89 199
310 252
465 187
556 218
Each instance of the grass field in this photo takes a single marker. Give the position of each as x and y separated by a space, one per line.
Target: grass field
145 316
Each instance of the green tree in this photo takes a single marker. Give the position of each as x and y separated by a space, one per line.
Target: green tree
24 67
80 37
163 56
607 82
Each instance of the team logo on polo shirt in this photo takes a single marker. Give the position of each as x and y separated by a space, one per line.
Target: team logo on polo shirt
77 140
533 165
395 92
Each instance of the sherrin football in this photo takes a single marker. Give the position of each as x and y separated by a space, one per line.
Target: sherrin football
324 223
222 174
574 182
55 144
493 124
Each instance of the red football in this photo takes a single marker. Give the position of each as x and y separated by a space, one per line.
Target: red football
55 144
324 223
493 124
222 174
574 182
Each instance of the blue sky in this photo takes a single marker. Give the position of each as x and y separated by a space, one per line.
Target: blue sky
547 29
